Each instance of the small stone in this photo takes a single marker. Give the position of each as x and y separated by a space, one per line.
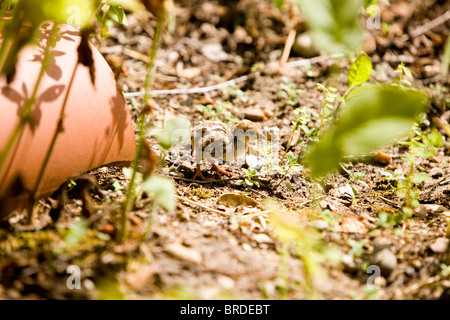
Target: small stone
386 260
214 52
382 158
262 238
432 209
255 114
436 172
440 245
225 282
348 263
268 113
319 224
380 281
140 277
303 46
183 253
254 161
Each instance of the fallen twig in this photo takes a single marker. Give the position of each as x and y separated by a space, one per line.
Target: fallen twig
208 181
430 25
389 201
203 206
291 64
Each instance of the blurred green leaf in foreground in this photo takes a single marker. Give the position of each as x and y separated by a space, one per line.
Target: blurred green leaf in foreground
373 116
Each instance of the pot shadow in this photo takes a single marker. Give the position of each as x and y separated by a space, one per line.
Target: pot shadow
49 94
54 71
116 131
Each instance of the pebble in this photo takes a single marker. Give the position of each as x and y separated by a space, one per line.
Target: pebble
183 253
319 224
440 245
254 161
214 52
262 238
386 260
380 281
348 263
304 46
432 209
255 114
436 172
225 282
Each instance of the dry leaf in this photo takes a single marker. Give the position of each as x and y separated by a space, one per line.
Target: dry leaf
235 200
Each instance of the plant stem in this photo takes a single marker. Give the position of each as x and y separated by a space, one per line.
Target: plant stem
8 36
58 129
26 112
141 126
290 139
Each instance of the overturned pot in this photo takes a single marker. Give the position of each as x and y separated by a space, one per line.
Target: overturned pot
97 129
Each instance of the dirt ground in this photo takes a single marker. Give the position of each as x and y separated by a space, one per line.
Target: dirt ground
206 250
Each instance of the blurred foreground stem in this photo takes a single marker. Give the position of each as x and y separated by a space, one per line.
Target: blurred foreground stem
142 122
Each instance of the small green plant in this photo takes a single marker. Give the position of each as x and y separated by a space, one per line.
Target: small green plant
357 248
161 189
219 110
238 93
395 179
420 145
292 165
368 121
288 91
389 221
330 94
108 12
305 242
445 270
401 71
251 179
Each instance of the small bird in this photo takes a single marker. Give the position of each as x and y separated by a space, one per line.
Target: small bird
214 142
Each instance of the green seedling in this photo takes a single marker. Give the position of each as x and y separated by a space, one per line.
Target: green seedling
401 71
251 179
420 145
357 248
305 242
395 179
330 95
109 12
288 91
238 93
219 110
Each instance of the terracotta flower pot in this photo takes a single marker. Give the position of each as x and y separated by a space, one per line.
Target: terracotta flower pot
97 127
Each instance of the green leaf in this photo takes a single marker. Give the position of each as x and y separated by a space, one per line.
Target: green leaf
374 116
76 233
360 70
421 177
118 14
176 130
162 189
333 25
435 138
